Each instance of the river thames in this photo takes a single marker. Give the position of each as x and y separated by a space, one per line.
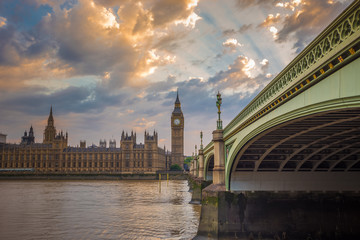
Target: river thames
93 209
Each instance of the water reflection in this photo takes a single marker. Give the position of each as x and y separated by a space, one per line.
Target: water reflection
97 210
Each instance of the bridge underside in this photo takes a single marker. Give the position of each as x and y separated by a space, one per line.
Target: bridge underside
209 169
305 154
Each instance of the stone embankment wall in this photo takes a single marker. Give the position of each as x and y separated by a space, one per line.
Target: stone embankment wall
279 215
32 176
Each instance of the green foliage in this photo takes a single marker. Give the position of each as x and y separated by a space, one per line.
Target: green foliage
175 167
187 160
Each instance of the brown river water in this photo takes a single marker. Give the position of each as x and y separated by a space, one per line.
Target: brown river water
95 209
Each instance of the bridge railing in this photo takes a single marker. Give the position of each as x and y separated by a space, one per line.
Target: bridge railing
341 34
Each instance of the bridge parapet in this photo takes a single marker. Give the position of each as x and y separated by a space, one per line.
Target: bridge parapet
336 45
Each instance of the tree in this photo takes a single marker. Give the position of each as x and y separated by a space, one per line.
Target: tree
175 167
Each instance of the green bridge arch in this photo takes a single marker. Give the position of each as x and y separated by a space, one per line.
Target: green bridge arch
343 93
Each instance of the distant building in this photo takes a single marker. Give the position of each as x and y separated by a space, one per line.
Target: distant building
54 154
2 138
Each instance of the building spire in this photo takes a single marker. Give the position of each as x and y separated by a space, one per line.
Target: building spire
177 97
177 107
51 118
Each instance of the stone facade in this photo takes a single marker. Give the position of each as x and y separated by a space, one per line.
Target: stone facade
54 154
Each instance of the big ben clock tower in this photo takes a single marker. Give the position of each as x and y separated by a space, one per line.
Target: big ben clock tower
177 134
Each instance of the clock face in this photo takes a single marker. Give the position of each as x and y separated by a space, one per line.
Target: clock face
177 121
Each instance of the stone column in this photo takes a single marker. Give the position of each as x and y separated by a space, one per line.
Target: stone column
201 164
195 167
191 167
219 158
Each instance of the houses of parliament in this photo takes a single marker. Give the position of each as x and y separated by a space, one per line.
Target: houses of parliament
54 154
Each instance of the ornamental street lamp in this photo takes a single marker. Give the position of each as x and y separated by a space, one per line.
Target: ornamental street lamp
218 104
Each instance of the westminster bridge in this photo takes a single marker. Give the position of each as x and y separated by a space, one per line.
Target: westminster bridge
299 138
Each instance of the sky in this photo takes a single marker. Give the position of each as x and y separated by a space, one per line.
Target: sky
111 65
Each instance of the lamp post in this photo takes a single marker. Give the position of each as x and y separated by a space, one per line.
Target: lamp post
218 104
201 158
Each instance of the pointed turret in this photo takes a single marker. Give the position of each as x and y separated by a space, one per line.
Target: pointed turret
177 108
51 119
28 138
31 132
50 131
177 101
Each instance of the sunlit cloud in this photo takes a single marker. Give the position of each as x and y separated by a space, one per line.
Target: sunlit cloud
189 21
150 71
264 62
271 20
290 5
154 60
2 21
274 31
107 19
232 44
249 65
192 4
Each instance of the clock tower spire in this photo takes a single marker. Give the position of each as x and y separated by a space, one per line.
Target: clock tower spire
177 133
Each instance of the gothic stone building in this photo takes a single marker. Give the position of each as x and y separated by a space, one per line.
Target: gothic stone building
54 154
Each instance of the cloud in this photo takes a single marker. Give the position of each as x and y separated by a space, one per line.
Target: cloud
270 20
92 38
307 19
168 11
2 22
190 21
289 5
142 124
251 3
231 32
242 77
232 44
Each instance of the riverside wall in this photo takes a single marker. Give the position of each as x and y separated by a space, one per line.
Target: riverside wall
278 215
81 176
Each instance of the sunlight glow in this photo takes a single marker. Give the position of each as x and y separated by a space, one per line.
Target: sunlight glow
249 65
274 32
192 3
106 75
151 71
291 5
264 62
2 22
152 56
190 21
109 19
231 42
